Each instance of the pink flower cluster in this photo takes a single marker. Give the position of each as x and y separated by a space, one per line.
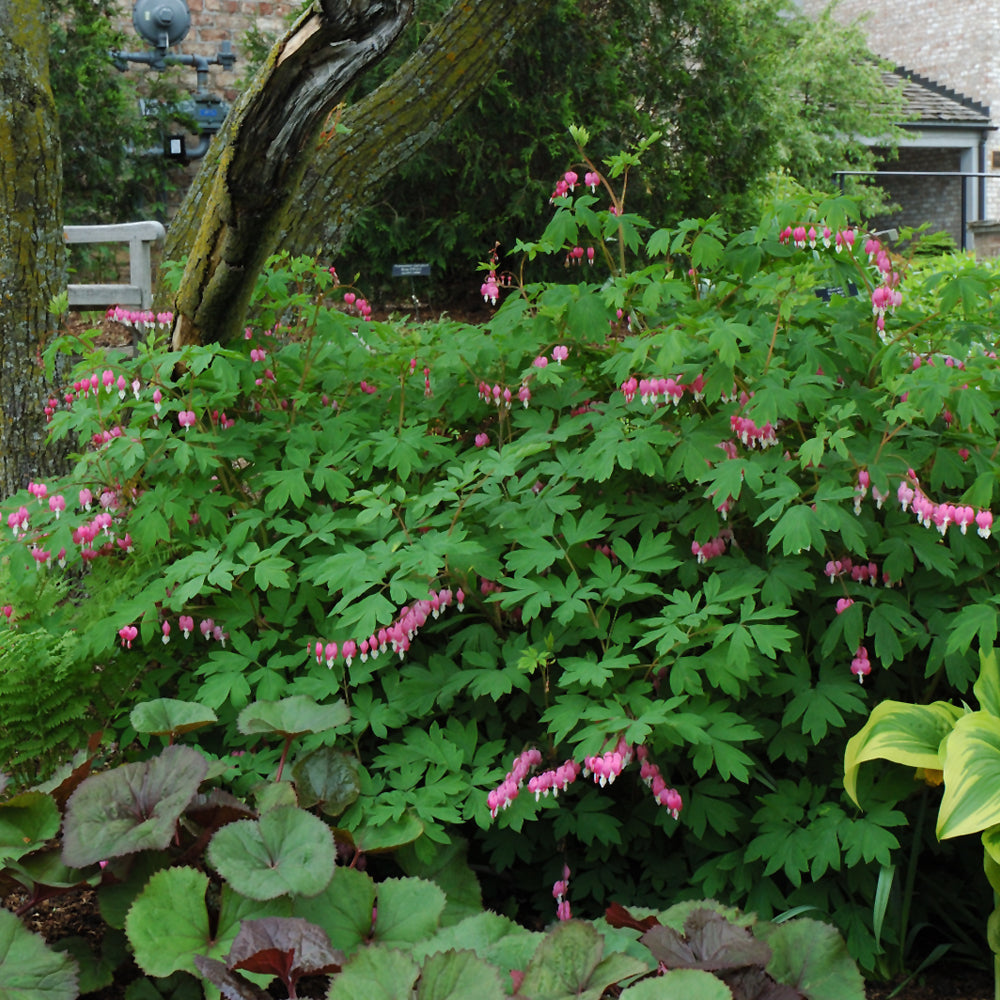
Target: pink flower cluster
560 889
859 573
714 547
608 766
667 390
604 767
886 296
209 631
396 637
861 666
502 397
556 780
357 305
490 288
576 254
140 319
802 237
941 515
510 787
861 491
207 627
84 535
751 435
669 798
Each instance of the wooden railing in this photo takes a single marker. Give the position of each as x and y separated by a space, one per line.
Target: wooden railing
138 293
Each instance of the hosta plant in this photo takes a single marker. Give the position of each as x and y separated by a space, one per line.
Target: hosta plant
955 747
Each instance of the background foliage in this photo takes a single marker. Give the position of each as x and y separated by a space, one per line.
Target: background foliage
738 90
111 175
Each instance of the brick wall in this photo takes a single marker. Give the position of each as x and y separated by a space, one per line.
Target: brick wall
937 200
953 42
212 22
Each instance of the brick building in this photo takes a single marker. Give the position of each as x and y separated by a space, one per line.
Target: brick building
213 22
946 51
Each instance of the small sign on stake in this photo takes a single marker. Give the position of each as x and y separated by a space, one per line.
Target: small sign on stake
412 271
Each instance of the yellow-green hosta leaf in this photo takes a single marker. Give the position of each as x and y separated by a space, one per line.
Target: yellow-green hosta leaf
987 687
971 776
991 856
903 733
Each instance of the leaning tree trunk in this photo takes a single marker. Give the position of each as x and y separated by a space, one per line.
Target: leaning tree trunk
32 253
233 212
395 121
344 172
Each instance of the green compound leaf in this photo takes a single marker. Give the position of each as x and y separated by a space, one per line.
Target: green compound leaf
376 973
286 851
170 717
459 975
131 808
29 969
293 716
26 822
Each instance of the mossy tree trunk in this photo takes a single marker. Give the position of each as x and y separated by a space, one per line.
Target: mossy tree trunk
233 211
32 252
451 66
305 196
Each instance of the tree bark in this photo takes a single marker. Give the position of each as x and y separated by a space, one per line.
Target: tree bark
347 172
233 212
334 178
32 253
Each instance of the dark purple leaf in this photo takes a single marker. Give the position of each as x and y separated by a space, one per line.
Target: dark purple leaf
217 808
709 942
286 947
755 984
134 807
231 985
617 916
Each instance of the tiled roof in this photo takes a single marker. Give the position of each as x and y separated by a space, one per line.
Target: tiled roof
929 102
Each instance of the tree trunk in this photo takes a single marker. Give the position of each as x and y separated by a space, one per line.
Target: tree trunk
463 52
32 253
233 211
335 179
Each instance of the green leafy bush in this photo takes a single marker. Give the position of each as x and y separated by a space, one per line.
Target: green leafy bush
656 511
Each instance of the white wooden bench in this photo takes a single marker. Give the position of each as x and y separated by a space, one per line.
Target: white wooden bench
138 293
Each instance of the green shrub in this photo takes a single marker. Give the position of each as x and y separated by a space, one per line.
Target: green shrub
679 533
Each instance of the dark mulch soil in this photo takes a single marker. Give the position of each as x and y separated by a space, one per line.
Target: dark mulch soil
76 914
